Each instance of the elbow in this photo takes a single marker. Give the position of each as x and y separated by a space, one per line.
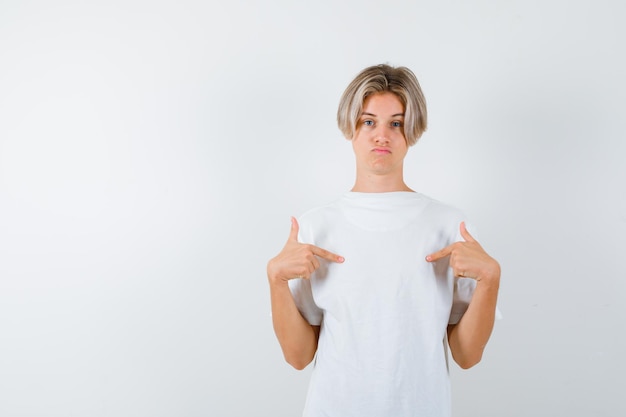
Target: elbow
298 364
466 365
468 362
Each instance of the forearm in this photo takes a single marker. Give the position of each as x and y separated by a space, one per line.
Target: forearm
469 337
297 338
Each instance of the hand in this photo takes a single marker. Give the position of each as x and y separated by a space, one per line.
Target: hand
297 260
468 259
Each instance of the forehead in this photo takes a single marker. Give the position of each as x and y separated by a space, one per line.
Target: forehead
381 104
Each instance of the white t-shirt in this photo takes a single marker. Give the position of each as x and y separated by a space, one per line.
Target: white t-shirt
384 312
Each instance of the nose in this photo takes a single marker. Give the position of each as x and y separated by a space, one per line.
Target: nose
381 135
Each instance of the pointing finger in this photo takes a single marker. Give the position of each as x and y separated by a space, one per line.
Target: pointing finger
295 228
323 253
465 234
439 254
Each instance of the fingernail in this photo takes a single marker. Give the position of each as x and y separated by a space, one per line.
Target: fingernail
428 258
340 259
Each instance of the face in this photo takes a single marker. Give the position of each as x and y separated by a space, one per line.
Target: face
379 144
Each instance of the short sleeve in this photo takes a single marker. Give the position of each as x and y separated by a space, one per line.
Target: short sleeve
303 297
463 291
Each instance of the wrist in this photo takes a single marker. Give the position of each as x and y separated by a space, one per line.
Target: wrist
277 281
273 276
490 277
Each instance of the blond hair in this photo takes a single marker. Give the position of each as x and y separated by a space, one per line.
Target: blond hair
379 79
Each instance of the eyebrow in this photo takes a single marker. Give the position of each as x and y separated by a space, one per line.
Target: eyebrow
372 114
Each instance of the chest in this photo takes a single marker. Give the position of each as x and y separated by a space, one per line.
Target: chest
385 274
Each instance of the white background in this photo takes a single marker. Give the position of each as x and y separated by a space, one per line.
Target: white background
152 152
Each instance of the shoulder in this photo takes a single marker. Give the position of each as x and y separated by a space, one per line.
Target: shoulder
442 211
444 220
318 218
317 214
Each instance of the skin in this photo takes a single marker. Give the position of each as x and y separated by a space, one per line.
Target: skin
297 338
380 148
379 145
468 338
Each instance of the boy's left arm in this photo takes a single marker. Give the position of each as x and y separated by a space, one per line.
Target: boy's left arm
468 338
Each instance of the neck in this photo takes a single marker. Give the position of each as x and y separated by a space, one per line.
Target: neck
371 183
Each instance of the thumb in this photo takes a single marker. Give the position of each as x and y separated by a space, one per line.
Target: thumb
465 234
295 228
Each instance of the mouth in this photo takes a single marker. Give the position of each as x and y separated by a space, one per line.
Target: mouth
381 151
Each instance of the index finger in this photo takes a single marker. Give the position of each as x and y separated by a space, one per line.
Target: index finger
439 254
323 253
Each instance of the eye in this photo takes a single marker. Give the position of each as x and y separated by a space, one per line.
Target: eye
368 122
396 124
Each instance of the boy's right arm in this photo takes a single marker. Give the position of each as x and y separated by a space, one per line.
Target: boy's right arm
297 338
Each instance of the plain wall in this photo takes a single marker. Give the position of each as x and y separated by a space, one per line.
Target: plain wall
151 153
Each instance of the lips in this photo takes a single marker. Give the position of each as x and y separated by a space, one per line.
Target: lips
381 151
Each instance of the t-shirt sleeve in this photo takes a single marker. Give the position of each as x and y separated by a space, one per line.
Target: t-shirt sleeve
463 291
303 297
